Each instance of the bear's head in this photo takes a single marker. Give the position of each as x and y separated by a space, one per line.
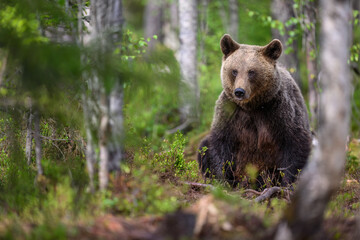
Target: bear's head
248 73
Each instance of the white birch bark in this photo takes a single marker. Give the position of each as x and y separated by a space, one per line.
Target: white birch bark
171 26
153 21
203 31
38 147
107 21
234 18
323 174
189 93
28 143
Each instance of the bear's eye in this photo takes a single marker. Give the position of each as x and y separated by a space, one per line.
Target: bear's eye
251 73
234 73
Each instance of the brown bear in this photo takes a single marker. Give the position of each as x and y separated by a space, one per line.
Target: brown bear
260 117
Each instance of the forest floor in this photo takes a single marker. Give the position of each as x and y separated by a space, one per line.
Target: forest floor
162 206
218 213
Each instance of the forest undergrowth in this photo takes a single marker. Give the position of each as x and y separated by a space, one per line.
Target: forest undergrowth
160 194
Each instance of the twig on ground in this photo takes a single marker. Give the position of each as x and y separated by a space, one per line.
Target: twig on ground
267 193
252 191
197 184
184 126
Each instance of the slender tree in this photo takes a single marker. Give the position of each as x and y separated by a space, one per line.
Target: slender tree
171 26
230 17
104 104
189 93
153 21
233 18
38 147
203 25
311 64
28 144
282 10
322 176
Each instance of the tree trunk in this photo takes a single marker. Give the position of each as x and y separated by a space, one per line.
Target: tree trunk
171 27
323 174
38 148
153 21
282 10
310 45
104 136
107 20
188 61
203 23
90 143
28 137
234 18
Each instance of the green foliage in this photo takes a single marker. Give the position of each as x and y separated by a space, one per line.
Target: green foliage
352 163
132 47
355 48
293 27
147 189
150 105
354 52
143 195
339 206
170 162
25 29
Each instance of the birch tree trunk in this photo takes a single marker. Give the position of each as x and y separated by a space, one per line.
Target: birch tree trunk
171 26
153 21
310 45
38 147
90 125
189 92
282 10
323 174
234 18
103 106
28 144
203 23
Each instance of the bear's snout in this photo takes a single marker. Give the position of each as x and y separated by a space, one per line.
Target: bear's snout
239 93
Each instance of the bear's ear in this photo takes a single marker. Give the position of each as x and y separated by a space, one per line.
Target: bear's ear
273 49
228 46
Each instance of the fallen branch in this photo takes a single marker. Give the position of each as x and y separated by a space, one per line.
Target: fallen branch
267 193
183 127
198 184
252 191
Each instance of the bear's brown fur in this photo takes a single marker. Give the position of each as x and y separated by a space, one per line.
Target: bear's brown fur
260 117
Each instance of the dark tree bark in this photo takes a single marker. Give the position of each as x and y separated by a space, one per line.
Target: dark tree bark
322 176
282 10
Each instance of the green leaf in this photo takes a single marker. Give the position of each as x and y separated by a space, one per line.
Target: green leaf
117 51
355 13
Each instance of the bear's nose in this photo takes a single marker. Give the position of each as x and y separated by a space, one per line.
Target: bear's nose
239 92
